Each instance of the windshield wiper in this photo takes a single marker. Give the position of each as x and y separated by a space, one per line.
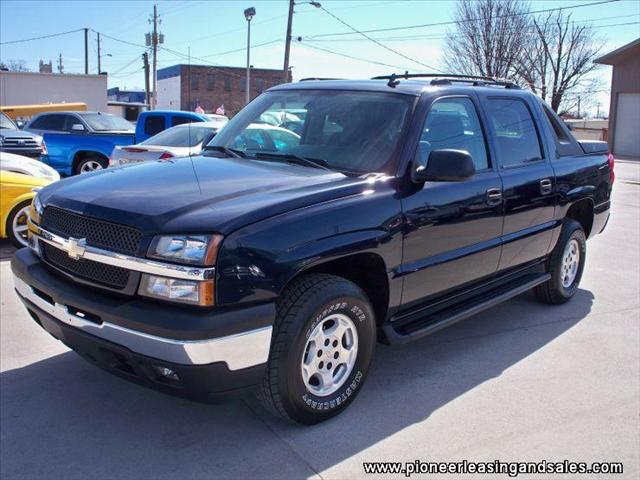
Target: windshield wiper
292 158
232 152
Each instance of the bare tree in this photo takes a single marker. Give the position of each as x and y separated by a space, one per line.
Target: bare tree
14 66
558 60
489 38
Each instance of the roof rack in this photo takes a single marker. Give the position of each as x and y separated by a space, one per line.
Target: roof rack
448 79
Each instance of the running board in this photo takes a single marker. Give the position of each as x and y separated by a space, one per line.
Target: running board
407 331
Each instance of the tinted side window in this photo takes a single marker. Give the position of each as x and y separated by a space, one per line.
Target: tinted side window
153 124
53 122
180 119
69 121
453 123
517 139
565 144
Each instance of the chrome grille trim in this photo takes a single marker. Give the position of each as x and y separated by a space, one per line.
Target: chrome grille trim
115 259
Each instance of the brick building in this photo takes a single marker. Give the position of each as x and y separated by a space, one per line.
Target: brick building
183 87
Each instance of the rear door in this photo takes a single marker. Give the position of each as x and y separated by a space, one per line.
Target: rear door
528 179
453 228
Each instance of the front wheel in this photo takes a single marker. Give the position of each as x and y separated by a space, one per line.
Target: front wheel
16 226
323 341
565 265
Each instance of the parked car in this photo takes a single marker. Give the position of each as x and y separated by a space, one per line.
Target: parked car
13 140
181 141
27 166
405 206
81 142
152 122
17 194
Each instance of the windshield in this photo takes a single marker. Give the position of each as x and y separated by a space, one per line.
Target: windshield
6 123
105 122
180 136
346 131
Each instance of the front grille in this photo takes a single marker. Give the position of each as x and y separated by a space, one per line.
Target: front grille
20 142
100 273
98 233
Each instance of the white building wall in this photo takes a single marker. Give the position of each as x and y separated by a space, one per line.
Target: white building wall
169 93
28 88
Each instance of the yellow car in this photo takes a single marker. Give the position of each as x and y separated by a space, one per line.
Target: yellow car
16 193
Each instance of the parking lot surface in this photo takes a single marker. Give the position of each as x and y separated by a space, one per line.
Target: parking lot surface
520 382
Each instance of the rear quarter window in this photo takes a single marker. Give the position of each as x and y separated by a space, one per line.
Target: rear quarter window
153 124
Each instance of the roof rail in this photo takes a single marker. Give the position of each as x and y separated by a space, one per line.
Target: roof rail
448 79
311 79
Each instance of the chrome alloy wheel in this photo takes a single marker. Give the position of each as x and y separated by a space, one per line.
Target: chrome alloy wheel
90 166
570 263
19 225
330 354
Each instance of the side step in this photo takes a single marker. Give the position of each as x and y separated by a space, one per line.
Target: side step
414 327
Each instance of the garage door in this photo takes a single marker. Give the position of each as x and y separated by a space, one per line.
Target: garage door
627 140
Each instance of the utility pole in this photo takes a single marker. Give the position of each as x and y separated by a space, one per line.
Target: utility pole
287 46
579 106
60 65
99 67
154 45
86 51
145 59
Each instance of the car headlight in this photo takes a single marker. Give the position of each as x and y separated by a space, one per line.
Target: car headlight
187 249
196 249
35 212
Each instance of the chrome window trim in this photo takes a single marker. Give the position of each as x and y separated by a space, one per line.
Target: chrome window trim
142 265
238 351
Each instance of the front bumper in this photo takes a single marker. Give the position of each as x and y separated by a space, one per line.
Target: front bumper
213 352
25 152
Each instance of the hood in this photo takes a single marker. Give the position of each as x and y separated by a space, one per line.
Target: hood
19 179
198 194
6 133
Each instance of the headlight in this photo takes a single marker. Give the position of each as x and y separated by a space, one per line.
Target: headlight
188 249
35 212
177 290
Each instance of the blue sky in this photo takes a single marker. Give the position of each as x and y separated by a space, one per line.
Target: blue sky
209 29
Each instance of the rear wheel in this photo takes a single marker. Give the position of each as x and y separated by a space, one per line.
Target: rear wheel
565 265
323 341
16 226
90 164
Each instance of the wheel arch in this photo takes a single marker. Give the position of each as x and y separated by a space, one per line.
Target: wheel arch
582 211
365 269
81 154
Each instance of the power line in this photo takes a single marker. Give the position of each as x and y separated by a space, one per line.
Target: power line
41 37
454 22
379 43
346 55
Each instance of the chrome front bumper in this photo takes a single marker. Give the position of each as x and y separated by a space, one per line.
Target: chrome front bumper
238 351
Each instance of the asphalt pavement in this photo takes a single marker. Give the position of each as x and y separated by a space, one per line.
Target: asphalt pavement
520 382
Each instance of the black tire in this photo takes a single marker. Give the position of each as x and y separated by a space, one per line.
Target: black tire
553 292
13 236
90 160
303 306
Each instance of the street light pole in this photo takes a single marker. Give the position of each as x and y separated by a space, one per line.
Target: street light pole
249 13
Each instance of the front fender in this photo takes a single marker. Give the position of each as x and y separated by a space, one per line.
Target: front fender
258 261
10 206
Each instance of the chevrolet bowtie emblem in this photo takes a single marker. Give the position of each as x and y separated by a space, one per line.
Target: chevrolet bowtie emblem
76 247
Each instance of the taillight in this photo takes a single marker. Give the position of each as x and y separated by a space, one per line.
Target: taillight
165 156
612 164
134 149
44 148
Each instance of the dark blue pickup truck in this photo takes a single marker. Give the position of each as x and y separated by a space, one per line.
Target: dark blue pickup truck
406 205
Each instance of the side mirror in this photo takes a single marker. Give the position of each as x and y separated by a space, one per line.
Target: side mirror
444 166
568 125
77 127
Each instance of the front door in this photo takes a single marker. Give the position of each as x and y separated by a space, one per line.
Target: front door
453 228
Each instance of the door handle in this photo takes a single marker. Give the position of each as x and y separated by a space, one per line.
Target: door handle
546 186
494 196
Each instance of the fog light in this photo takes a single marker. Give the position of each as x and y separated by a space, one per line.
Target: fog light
167 373
177 290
